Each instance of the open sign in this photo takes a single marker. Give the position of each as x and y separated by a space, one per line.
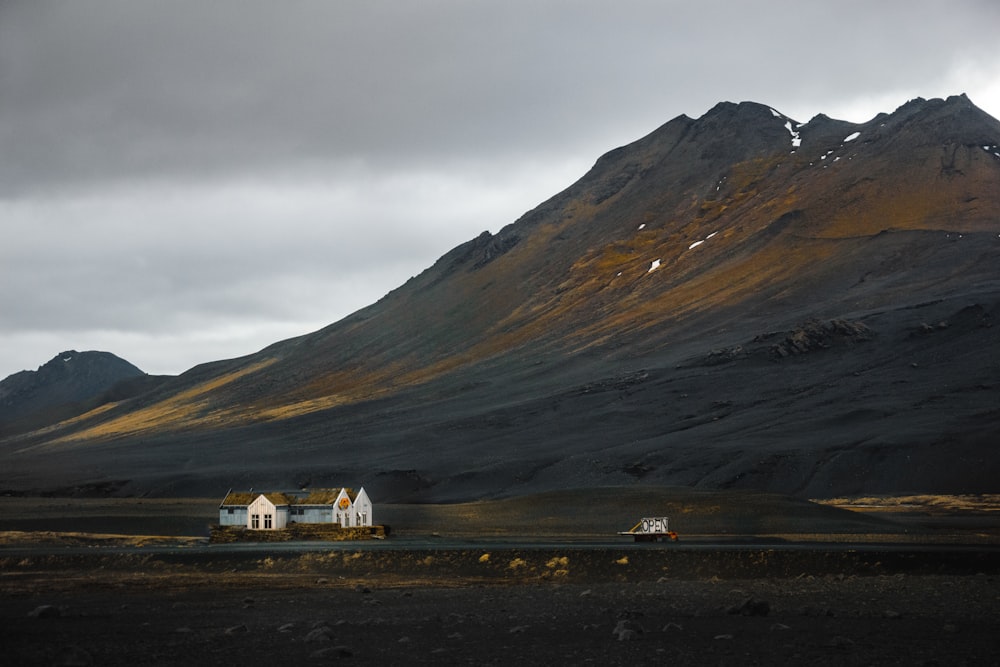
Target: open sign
653 525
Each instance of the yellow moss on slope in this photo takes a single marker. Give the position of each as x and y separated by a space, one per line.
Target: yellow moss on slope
182 410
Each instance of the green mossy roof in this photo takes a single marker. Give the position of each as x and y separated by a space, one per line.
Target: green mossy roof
313 497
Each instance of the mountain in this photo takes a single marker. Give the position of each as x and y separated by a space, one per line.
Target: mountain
69 384
734 301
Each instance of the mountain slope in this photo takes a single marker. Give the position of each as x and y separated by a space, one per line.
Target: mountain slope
69 384
734 300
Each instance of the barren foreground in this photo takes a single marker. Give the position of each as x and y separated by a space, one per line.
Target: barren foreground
151 615
921 591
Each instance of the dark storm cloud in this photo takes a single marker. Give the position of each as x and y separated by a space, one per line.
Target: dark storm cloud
96 90
200 89
180 174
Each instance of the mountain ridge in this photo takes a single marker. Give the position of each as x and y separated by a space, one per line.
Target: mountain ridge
70 383
709 243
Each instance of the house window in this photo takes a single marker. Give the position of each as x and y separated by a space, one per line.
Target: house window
255 522
364 518
230 510
267 522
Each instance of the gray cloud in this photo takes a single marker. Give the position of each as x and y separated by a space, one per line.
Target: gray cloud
177 174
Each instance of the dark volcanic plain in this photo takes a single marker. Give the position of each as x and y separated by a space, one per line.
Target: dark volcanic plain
755 579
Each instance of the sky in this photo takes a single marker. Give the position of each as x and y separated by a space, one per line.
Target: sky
185 181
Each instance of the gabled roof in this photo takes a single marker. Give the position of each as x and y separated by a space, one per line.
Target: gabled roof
242 498
324 496
304 497
278 498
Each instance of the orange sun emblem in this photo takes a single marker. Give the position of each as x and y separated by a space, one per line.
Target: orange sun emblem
344 503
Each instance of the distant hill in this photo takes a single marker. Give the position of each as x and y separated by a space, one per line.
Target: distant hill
70 383
737 301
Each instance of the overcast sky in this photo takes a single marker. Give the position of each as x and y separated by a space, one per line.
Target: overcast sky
183 182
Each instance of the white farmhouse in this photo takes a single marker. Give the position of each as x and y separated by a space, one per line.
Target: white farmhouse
258 510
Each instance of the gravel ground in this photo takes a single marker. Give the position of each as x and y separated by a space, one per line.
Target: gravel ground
136 612
870 599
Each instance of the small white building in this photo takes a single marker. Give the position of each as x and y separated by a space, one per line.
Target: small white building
259 510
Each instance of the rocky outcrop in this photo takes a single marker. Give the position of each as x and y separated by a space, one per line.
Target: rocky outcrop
815 335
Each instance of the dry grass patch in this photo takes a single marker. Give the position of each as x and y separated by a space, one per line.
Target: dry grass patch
186 408
931 504
23 538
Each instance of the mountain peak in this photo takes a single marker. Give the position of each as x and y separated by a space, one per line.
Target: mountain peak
734 301
92 359
952 101
68 379
746 110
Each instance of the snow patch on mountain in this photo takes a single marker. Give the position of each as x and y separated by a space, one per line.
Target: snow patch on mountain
700 241
796 136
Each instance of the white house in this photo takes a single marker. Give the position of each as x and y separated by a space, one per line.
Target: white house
276 510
